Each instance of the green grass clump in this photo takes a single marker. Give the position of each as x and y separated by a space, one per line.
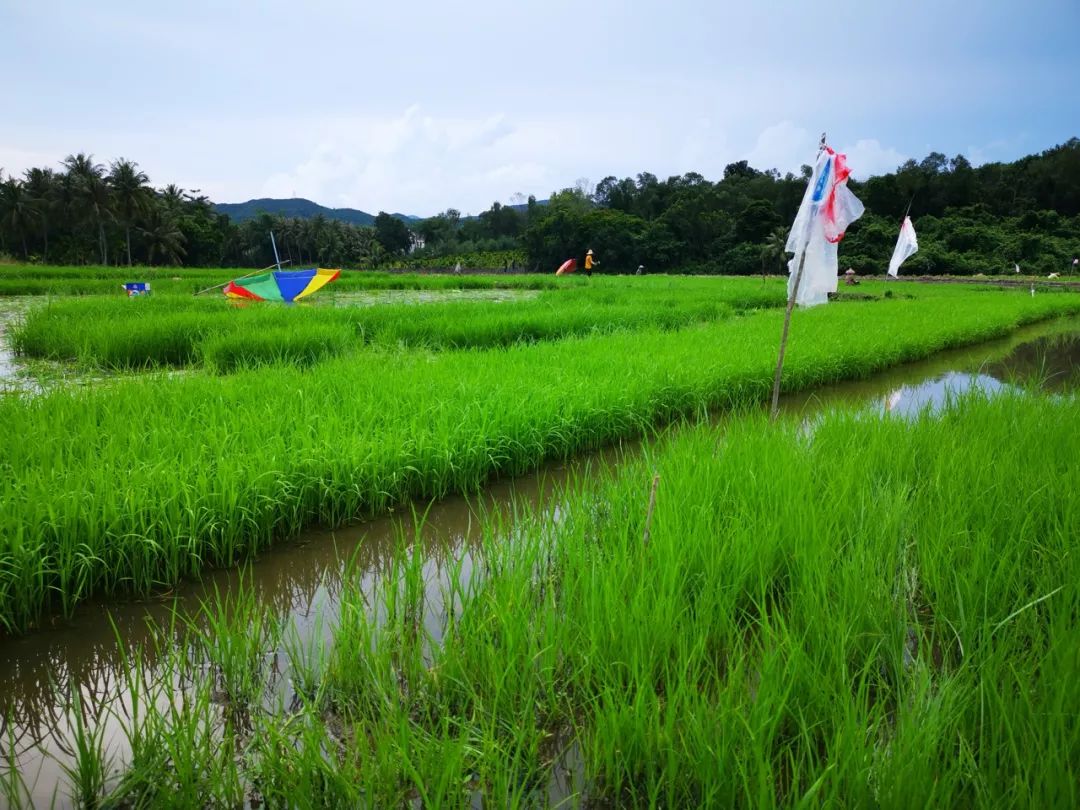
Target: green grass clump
869 614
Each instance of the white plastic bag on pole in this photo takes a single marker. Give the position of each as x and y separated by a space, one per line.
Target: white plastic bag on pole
828 208
906 245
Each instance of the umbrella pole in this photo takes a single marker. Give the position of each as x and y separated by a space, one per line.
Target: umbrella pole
238 278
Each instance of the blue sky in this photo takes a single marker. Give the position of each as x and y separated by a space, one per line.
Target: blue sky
420 106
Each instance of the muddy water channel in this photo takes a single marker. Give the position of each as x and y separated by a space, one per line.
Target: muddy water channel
302 582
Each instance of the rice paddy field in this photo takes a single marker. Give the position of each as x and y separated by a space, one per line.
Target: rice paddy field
864 603
18 280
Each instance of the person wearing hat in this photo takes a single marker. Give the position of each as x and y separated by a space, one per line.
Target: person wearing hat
849 278
589 262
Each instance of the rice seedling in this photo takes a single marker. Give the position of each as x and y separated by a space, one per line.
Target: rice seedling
174 330
88 773
868 614
34 279
13 788
130 488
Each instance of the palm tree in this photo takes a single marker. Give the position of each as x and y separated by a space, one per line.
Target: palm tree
16 209
775 249
92 193
173 198
164 237
41 186
131 192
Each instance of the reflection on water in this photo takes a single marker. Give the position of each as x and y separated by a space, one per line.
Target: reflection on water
303 581
300 583
911 400
1050 363
1046 357
13 374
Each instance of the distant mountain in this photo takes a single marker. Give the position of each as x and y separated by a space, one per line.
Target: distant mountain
300 208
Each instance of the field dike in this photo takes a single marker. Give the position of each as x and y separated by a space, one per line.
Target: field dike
129 489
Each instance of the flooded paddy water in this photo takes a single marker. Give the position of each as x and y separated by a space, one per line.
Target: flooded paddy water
302 582
368 298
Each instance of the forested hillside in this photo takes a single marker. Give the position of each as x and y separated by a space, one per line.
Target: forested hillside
983 219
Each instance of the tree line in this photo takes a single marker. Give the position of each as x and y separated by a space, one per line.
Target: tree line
87 213
970 220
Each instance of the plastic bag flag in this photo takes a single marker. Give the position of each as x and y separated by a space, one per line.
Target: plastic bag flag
828 208
280 285
906 245
569 266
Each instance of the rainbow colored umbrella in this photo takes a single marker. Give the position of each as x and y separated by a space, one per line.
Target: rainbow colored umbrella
280 285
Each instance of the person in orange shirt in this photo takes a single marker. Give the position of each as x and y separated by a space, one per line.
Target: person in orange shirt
590 262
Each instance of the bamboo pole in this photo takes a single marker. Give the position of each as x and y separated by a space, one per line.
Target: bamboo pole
784 336
791 302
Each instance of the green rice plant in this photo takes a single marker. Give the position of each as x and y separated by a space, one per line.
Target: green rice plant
134 486
34 279
13 788
301 346
238 641
183 743
176 330
89 771
868 613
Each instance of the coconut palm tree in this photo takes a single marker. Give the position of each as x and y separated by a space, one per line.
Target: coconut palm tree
92 193
131 194
775 249
16 209
40 184
164 238
173 198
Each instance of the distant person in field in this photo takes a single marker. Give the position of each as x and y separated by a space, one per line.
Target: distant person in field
640 270
590 262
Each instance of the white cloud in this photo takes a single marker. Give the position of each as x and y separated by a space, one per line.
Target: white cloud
498 108
787 146
868 157
784 146
13 161
411 162
997 149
